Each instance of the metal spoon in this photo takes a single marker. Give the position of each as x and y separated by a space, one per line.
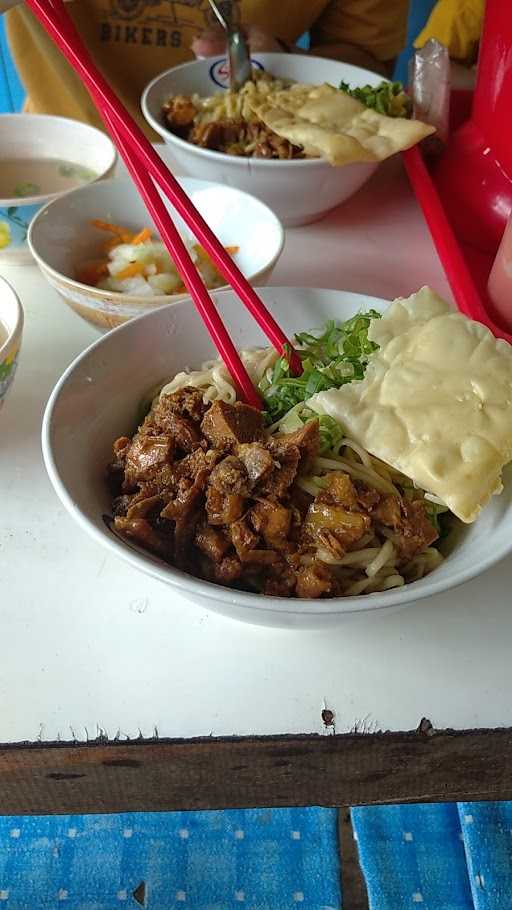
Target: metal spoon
240 69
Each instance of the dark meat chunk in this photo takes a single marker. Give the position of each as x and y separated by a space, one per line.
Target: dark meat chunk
340 487
316 580
212 542
140 530
223 509
306 440
415 532
196 461
328 524
258 557
230 476
166 418
300 501
185 510
243 538
273 522
367 499
409 520
179 113
145 456
280 580
388 511
284 472
115 470
187 402
218 134
228 425
257 460
228 571
184 431
120 450
269 145
142 506
121 505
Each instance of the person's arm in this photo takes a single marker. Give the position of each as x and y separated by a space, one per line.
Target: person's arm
367 33
212 42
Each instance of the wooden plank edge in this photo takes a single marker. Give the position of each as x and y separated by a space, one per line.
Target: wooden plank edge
220 773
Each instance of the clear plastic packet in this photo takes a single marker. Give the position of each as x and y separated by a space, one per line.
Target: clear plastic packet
429 85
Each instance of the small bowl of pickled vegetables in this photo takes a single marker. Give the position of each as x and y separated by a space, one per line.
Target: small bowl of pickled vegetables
98 248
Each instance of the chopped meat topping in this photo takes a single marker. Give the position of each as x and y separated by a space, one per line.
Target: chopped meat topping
316 580
230 476
187 402
257 460
223 509
228 571
178 114
306 440
203 486
216 135
272 521
231 136
413 530
212 542
284 472
243 538
140 530
145 456
228 425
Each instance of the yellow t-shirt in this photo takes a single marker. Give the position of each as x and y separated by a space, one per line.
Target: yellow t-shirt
458 25
134 40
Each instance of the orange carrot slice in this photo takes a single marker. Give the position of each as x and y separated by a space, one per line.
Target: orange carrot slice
122 232
232 250
142 236
134 268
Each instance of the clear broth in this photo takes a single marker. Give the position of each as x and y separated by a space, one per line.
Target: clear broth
20 178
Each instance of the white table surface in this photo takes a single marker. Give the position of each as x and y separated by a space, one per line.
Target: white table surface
89 645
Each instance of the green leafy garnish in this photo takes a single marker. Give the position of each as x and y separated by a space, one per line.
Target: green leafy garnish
329 360
386 98
435 514
76 170
27 189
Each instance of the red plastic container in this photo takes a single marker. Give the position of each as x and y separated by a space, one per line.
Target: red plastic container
467 198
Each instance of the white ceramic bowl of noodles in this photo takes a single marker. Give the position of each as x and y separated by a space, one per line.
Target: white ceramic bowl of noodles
298 191
99 398
62 239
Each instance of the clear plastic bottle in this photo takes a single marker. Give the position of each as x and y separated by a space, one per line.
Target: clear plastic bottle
500 279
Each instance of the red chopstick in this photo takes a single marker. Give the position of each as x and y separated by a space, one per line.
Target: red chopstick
134 143
459 277
187 269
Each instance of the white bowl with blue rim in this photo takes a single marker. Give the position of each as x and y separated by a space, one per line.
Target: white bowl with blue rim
41 158
298 191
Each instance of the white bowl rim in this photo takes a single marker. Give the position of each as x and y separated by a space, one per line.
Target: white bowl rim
257 163
156 299
368 603
21 201
15 332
